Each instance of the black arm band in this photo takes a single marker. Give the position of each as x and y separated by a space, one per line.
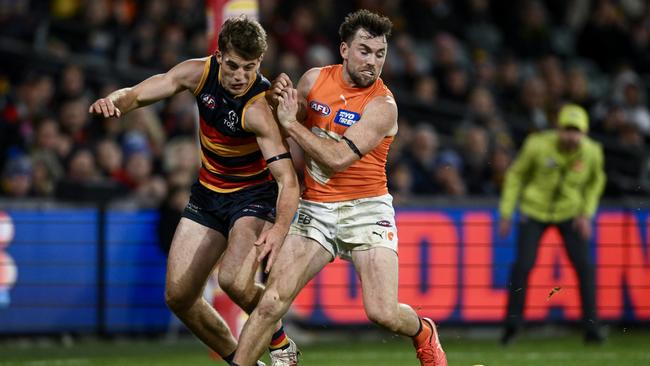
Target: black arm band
352 146
278 157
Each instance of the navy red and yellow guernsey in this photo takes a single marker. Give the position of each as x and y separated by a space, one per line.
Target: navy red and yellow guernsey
231 159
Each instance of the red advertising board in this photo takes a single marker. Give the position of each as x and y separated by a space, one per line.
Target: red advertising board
454 267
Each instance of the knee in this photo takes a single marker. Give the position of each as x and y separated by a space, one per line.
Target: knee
273 305
385 317
178 300
238 290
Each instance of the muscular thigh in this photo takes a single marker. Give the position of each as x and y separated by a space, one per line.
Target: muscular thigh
194 251
240 256
298 261
378 270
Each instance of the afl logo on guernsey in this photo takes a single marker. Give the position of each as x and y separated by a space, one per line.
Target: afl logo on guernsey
319 107
346 118
208 101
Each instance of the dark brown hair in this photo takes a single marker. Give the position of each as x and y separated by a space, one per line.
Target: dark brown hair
244 36
375 24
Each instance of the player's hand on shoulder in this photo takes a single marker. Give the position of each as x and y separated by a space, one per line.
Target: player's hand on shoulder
104 107
287 107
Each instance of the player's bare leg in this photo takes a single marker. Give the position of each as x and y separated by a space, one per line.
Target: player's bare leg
239 265
194 252
299 260
237 276
378 270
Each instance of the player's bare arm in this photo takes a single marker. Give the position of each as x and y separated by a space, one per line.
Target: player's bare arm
378 121
259 120
283 82
184 76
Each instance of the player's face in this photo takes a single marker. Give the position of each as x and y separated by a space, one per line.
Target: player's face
364 58
570 138
236 72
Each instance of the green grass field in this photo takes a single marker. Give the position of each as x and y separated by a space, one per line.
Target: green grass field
625 347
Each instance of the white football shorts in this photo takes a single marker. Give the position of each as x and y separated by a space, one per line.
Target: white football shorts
341 227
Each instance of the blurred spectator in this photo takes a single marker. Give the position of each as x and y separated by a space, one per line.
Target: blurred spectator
628 93
605 38
480 30
531 109
74 119
500 160
421 158
72 84
426 90
552 72
110 160
475 149
17 177
448 174
483 113
47 171
429 17
578 88
81 167
455 84
533 36
507 82
504 67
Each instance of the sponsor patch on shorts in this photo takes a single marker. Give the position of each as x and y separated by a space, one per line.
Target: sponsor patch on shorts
384 223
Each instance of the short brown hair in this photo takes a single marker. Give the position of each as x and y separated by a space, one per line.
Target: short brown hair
244 36
375 24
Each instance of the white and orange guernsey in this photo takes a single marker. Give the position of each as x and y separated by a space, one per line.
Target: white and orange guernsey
333 106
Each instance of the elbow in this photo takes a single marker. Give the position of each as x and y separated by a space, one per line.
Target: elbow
338 163
337 167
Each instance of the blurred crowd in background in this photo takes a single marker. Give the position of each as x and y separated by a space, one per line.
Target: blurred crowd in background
472 78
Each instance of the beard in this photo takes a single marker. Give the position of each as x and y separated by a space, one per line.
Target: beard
361 80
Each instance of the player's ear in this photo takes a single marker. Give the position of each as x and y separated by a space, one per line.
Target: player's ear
219 56
344 49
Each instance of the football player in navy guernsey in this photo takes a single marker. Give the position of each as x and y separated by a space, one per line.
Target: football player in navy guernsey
247 191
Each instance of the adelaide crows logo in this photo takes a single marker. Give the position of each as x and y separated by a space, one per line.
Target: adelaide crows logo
208 101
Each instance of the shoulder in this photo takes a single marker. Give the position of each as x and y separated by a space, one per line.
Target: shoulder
257 115
191 73
385 103
383 110
308 79
192 67
538 140
543 136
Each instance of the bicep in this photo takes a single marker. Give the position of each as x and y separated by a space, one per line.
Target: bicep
184 76
379 120
260 121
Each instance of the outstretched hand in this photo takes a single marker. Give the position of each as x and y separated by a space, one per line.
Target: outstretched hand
287 107
105 107
269 244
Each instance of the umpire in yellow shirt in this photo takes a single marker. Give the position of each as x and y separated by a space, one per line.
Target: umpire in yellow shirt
558 179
